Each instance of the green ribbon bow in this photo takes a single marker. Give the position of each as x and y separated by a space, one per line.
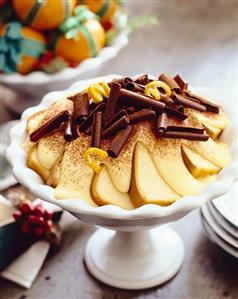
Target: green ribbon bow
73 24
13 45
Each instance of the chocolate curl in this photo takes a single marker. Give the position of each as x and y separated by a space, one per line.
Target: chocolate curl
85 125
167 101
182 84
185 135
170 82
135 87
117 116
88 131
119 142
162 123
81 107
143 80
122 81
97 129
185 129
122 123
143 115
111 103
130 110
211 107
68 135
92 106
74 128
175 113
49 126
187 102
137 100
179 107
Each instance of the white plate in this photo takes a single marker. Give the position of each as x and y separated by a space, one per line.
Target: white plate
227 205
222 221
215 238
218 229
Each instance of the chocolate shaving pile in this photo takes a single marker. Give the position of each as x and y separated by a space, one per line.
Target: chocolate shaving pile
113 118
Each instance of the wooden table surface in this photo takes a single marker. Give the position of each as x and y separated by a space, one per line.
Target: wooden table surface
197 39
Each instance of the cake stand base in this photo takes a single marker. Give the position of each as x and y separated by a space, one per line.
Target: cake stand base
134 260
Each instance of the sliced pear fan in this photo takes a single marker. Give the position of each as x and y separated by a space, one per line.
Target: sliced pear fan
214 123
197 165
216 152
104 193
217 120
33 163
212 131
50 148
55 173
75 175
147 186
168 159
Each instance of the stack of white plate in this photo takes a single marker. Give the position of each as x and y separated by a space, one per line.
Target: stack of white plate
220 221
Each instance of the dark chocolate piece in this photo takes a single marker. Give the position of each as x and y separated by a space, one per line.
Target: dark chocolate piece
131 98
212 107
88 131
122 81
180 99
132 86
143 115
182 84
130 110
81 107
68 135
88 121
117 116
92 106
167 101
119 142
170 82
120 124
50 126
162 122
111 103
185 135
185 129
143 80
175 113
74 128
97 129
179 107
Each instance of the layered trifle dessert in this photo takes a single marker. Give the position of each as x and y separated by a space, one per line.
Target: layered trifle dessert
128 142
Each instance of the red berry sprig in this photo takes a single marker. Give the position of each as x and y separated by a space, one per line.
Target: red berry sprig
44 59
34 219
107 25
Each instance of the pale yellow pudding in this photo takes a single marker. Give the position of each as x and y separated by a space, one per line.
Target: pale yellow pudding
128 143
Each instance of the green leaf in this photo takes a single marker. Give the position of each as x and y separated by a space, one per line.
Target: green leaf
142 21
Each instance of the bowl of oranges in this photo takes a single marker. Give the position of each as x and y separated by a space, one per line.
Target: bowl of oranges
47 45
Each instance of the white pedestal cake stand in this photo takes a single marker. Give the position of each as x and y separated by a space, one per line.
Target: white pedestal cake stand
135 249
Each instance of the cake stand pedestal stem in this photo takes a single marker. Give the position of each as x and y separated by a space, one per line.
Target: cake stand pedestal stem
134 260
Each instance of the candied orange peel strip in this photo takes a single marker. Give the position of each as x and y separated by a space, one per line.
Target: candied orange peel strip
97 91
151 89
89 161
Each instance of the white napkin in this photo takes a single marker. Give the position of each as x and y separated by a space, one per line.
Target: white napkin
25 268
